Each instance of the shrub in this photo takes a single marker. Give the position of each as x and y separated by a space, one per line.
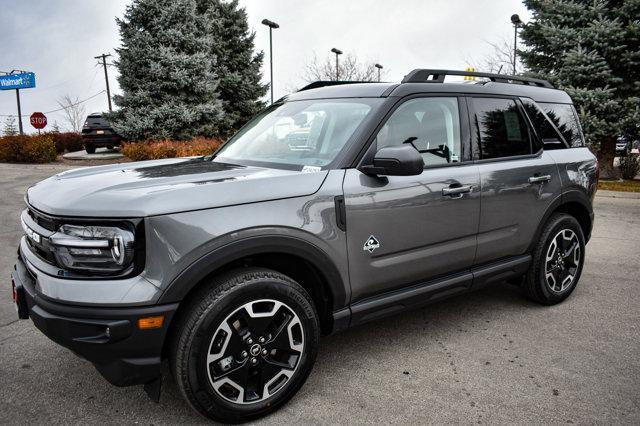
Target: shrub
153 150
629 166
27 149
66 141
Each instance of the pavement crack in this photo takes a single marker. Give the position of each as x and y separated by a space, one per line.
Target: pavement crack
9 323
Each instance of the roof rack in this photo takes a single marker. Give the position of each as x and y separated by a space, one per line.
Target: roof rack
324 83
437 76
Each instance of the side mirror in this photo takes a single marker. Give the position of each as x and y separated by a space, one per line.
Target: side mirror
402 160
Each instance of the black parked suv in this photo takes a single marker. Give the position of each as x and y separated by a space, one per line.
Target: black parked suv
97 133
335 206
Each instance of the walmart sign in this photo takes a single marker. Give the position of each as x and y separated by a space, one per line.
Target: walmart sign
25 80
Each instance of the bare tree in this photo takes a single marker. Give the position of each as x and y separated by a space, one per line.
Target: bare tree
499 61
350 68
74 112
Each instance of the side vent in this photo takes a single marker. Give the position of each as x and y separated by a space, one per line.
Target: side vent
341 213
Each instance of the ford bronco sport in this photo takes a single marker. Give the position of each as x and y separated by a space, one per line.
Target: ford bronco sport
335 206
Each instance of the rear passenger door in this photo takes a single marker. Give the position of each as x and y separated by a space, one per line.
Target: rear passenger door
518 180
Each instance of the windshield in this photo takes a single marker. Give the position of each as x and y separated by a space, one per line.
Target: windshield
299 133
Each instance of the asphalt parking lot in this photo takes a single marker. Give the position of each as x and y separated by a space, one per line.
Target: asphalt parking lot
489 357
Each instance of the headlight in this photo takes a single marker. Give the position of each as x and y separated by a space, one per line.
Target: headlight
98 249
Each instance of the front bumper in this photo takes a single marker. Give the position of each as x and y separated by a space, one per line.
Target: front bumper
108 337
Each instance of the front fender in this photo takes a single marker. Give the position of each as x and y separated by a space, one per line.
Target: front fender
250 245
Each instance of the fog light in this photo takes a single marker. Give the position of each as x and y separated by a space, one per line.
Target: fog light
150 322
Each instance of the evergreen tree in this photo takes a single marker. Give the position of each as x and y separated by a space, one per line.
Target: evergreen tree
167 78
238 68
10 128
591 49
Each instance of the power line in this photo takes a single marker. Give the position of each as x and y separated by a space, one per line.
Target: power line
59 109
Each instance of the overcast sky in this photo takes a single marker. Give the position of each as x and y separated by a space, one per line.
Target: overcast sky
58 39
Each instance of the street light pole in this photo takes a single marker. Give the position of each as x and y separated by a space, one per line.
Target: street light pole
515 20
337 52
272 25
379 68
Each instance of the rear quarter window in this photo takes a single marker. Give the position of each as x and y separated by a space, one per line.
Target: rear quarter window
564 117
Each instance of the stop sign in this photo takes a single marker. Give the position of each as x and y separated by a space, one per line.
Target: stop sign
38 120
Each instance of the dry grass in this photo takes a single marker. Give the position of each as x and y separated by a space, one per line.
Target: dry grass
624 185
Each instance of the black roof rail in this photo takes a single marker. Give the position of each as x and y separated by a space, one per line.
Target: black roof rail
324 83
437 76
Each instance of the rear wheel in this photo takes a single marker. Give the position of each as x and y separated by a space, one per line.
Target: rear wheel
90 149
245 345
557 261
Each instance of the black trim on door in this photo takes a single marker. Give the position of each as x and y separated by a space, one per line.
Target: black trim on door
421 294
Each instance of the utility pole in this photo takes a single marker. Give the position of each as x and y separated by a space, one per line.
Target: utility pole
106 76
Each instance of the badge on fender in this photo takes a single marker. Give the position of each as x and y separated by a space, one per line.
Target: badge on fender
371 244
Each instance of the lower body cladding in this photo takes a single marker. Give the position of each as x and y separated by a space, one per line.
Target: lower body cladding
124 349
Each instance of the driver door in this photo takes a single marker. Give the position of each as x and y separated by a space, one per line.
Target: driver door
408 230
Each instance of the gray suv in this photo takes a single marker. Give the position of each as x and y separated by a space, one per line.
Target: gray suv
335 206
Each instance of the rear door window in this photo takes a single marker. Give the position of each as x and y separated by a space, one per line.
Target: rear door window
501 129
564 117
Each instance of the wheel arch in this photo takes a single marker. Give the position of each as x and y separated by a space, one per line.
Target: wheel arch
299 259
573 203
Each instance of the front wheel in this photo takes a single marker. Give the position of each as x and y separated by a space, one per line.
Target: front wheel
245 345
557 261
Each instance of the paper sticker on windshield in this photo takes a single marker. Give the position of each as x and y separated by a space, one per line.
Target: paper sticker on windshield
371 244
311 169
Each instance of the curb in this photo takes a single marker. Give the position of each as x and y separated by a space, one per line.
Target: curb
618 194
101 154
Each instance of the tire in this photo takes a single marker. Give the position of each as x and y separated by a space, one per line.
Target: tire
555 267
90 149
211 344
109 146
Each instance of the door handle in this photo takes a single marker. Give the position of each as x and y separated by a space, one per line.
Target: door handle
456 190
539 179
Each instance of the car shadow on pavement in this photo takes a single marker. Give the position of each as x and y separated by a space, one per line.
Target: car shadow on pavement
341 355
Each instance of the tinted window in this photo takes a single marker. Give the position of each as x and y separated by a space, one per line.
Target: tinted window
564 118
544 127
501 129
431 125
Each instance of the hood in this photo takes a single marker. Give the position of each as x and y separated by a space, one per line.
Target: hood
158 187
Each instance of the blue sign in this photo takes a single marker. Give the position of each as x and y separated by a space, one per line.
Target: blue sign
24 80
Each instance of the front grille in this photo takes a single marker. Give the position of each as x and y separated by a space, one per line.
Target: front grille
42 249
